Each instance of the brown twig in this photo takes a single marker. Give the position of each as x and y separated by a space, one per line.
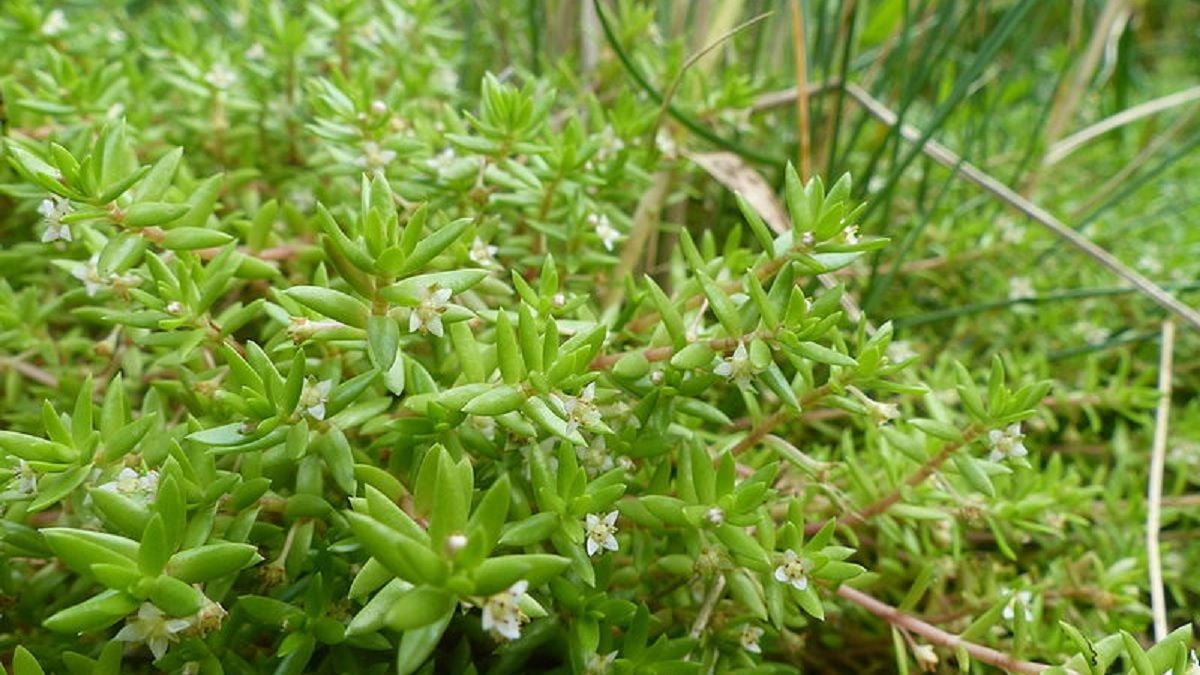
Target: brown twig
31 371
925 471
938 636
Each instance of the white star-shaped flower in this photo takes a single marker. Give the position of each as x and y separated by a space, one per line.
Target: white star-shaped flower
599 665
1025 599
610 143
581 411
482 253
55 23
153 628
427 316
792 571
880 413
749 638
256 52
93 283
1007 444
26 478
502 613
595 457
375 158
314 397
209 617
1020 288
608 234
52 210
899 351
601 532
220 77
737 366
442 161
130 483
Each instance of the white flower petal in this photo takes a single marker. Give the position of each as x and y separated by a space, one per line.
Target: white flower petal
131 632
434 324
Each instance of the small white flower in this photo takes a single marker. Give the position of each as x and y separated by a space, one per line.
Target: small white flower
926 657
302 328
132 484
1007 444
456 542
220 77
26 479
1025 598
808 240
791 571
737 366
175 307
608 234
880 413
1150 264
580 411
116 36
1091 332
666 145
610 143
715 515
444 79
375 158
427 317
378 107
314 397
153 628
850 234
1011 233
899 351
599 665
256 52
209 617
442 161
147 484
1020 288
302 198
502 613
52 210
482 253
595 457
749 638
55 23
601 532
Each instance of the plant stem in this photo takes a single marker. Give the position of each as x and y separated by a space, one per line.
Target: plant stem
1158 602
938 636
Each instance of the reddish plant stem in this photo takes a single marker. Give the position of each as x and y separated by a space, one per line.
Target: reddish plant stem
938 636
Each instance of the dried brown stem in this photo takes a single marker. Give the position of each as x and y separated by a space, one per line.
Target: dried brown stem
938 636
